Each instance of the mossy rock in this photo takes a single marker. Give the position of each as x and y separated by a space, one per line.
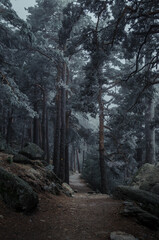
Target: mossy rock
67 189
147 178
32 151
17 193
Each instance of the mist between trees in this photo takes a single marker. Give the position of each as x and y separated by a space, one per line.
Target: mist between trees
57 70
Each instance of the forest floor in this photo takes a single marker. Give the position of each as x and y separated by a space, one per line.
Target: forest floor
85 216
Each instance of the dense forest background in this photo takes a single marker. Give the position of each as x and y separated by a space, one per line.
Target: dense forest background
79 79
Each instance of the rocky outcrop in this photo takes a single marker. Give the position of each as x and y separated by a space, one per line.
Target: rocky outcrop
147 178
144 206
32 151
144 217
143 193
148 201
40 177
17 193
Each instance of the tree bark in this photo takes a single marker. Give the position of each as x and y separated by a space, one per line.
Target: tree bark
63 126
67 133
23 136
9 127
101 141
31 131
40 133
139 153
149 117
35 121
150 132
71 160
44 122
74 155
47 138
67 149
56 154
78 163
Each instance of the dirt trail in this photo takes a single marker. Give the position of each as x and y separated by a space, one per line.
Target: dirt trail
78 184
83 217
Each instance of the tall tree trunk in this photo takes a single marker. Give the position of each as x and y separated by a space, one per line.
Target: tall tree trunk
23 136
139 154
71 160
67 149
9 127
31 131
150 132
56 154
40 133
67 133
44 122
47 138
3 121
83 161
63 126
35 121
36 131
149 117
78 163
101 141
74 155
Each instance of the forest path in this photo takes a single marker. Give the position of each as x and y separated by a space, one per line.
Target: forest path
78 184
82 217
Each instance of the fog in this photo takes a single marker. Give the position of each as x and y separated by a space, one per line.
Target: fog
20 5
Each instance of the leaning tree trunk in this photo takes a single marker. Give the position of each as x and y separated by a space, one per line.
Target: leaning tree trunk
101 141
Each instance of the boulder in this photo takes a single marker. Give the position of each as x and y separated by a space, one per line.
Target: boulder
32 151
147 200
147 178
19 158
145 218
67 189
17 193
121 236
